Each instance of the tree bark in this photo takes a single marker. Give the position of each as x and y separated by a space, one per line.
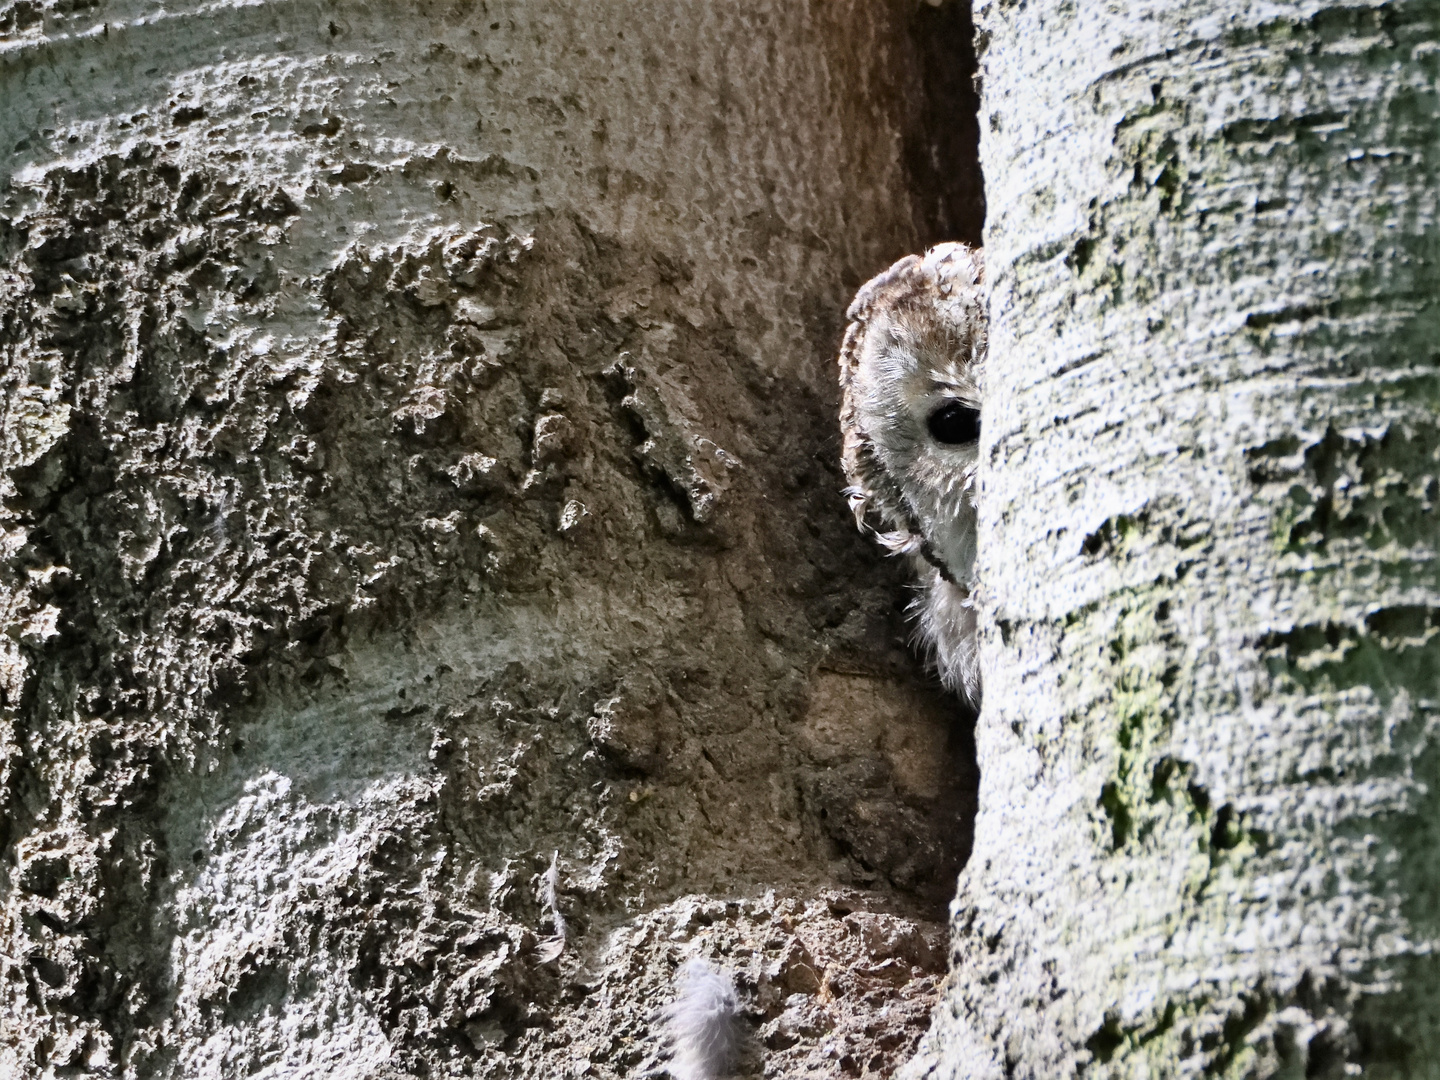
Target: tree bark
1207 839
430 612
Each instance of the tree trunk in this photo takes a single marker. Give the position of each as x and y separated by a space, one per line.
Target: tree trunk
430 612
1207 840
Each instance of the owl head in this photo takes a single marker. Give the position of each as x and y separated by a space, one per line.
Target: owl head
911 376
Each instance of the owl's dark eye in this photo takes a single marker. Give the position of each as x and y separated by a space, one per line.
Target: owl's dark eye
954 423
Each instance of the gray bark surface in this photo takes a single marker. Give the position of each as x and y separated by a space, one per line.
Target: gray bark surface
418 464
1207 836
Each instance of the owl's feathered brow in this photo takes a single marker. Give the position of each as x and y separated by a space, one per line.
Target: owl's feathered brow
911 373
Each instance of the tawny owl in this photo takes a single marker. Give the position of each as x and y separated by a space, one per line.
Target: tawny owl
911 376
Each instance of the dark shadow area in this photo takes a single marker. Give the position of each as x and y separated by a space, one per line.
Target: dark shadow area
942 147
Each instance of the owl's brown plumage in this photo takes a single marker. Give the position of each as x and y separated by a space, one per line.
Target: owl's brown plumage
911 372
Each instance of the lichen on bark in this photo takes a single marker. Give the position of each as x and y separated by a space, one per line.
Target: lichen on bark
1206 833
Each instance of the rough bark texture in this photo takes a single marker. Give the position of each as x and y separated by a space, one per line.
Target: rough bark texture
419 464
1207 841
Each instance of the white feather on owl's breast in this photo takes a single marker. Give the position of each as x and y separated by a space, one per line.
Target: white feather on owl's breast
911 378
